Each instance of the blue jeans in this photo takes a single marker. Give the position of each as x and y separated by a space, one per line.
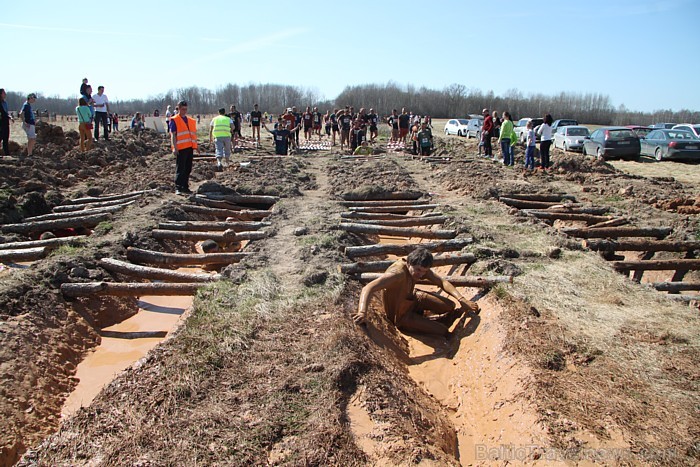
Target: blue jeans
530 158
223 148
507 151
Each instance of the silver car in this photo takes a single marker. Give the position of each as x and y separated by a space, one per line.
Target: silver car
570 138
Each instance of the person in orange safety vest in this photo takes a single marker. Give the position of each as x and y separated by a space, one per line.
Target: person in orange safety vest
183 140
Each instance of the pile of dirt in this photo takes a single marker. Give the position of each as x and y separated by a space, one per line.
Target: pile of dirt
479 178
568 162
282 177
384 176
681 205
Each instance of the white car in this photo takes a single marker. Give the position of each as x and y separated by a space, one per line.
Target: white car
570 138
457 126
693 128
474 128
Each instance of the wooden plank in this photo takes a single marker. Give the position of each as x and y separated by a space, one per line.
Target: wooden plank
402 222
381 266
565 216
227 236
457 281
146 272
138 255
394 209
24 254
410 202
641 245
245 226
403 249
81 207
128 289
49 243
658 265
385 216
615 232
101 199
542 197
360 196
676 286
397 231
55 224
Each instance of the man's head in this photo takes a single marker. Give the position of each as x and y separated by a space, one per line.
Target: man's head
3 94
182 107
255 106
85 80
495 114
403 110
485 112
364 143
419 262
100 90
315 109
424 125
394 111
31 98
222 111
371 111
294 108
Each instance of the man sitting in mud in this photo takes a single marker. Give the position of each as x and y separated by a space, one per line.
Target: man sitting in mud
413 310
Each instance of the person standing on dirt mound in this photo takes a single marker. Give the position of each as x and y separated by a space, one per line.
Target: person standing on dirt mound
281 135
220 130
101 112
5 119
183 140
256 119
487 133
413 310
84 124
29 123
545 133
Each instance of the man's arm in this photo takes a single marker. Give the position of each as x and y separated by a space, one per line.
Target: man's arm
380 283
173 135
445 285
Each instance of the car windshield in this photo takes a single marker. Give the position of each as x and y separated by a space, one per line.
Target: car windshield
616 135
642 131
567 122
680 135
577 132
463 122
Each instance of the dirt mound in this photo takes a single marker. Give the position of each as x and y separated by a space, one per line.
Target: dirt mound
282 177
578 163
682 205
383 176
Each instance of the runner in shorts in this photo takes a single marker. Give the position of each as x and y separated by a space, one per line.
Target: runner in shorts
393 122
255 120
373 121
327 122
307 118
28 123
404 120
345 120
334 123
316 118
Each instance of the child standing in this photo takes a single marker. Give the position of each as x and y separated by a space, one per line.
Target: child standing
530 150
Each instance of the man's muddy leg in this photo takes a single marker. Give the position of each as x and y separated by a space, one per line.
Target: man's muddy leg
415 323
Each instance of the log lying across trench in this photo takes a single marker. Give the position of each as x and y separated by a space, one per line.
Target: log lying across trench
146 272
394 209
658 265
50 243
82 207
565 216
641 245
43 226
611 223
215 203
401 222
381 266
24 254
213 225
409 202
243 215
100 199
403 249
83 212
385 216
524 204
128 289
458 281
358 196
595 210
137 255
615 232
244 199
374 229
543 197
227 236
675 286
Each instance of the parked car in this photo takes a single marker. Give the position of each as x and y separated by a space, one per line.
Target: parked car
694 129
663 125
671 145
474 128
562 122
570 138
457 126
521 130
641 131
612 141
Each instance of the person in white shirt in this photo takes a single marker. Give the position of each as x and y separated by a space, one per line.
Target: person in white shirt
530 150
101 112
545 133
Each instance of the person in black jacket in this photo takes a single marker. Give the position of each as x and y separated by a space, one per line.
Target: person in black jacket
5 119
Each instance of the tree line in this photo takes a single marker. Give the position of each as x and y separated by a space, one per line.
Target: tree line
453 101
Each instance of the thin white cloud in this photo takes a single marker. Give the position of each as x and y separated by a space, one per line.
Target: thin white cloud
252 45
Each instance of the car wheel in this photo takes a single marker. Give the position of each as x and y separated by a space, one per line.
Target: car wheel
600 154
469 135
583 150
566 147
459 132
446 132
657 155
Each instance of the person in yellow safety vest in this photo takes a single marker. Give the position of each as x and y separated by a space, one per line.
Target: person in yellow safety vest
220 132
183 140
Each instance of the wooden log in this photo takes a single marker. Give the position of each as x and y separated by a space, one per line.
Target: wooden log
84 212
381 266
244 199
100 199
133 334
402 222
676 286
24 254
611 223
457 281
81 207
216 212
565 216
227 236
542 197
615 232
578 209
360 196
137 255
49 243
409 202
43 226
641 245
128 289
403 249
658 265
146 272
214 225
385 216
214 203
397 231
385 209
523 204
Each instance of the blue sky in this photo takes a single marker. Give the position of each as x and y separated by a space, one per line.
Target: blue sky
640 53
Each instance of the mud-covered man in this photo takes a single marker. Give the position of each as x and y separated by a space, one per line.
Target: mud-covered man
414 310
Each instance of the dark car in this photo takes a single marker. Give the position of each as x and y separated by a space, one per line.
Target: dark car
641 131
563 122
671 145
612 142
